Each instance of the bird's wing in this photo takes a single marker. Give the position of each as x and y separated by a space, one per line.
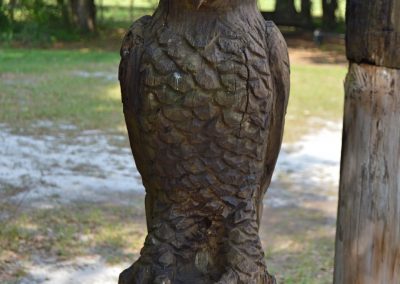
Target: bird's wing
280 72
129 68
130 81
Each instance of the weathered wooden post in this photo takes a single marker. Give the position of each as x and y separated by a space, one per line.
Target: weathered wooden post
205 86
368 228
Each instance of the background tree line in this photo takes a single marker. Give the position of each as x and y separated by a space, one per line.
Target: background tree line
80 14
286 10
60 18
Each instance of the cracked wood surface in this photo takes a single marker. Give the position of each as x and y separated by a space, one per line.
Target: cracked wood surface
368 228
373 32
368 231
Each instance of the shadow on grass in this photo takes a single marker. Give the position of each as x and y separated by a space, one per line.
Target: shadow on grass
63 232
300 243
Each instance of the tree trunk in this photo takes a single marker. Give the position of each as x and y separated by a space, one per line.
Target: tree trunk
329 8
306 11
64 12
84 14
11 8
373 32
285 7
368 228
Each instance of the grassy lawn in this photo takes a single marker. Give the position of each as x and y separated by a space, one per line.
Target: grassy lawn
114 232
80 87
317 95
299 245
76 230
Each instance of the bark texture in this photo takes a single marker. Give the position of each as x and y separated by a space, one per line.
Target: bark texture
306 6
205 91
368 229
373 32
285 7
285 14
329 8
84 14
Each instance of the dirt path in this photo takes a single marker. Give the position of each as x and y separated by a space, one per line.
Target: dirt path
92 167
70 166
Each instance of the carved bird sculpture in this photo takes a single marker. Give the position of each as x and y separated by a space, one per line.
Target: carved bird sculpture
205 85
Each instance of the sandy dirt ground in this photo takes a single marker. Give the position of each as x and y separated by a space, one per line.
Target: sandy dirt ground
94 166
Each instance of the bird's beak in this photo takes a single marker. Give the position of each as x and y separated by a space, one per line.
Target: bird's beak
198 3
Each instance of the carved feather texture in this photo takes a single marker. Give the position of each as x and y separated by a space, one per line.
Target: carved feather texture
205 121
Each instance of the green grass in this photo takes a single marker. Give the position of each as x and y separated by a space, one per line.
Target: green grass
317 94
48 85
299 241
81 229
300 245
317 90
44 85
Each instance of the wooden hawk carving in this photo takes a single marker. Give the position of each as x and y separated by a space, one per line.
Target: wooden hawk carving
205 85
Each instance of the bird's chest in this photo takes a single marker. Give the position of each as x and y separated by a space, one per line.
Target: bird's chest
189 84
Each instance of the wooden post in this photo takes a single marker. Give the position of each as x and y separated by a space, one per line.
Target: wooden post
368 228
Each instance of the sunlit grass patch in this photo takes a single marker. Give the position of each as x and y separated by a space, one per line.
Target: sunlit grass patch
313 264
300 245
317 95
80 87
115 242
77 87
66 232
317 90
52 61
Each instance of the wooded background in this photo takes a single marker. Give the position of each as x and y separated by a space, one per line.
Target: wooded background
57 19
